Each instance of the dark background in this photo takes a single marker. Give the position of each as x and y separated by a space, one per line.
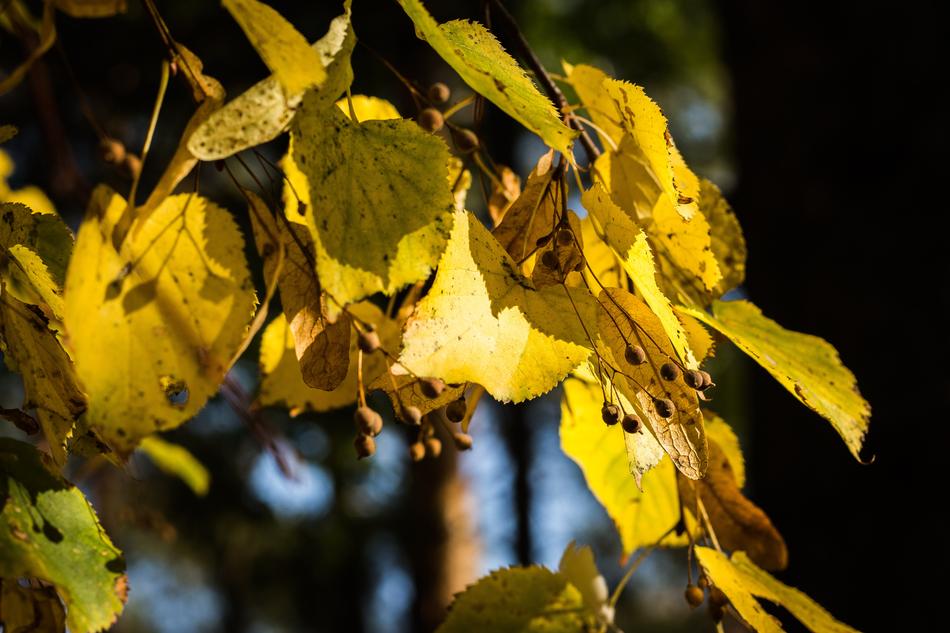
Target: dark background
823 123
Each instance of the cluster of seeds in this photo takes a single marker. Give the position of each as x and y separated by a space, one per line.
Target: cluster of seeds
718 601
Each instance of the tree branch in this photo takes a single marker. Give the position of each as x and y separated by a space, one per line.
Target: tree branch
553 91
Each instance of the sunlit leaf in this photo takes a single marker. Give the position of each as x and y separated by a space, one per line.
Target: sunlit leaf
804 364
265 110
379 200
483 322
154 328
479 59
176 460
52 533
31 196
626 320
368 108
286 52
630 244
578 567
743 582
520 600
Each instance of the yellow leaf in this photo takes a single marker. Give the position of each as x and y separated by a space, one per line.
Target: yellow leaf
603 265
30 196
379 200
49 380
728 243
505 190
719 431
625 320
520 600
588 83
742 582
577 565
699 338
533 214
178 461
91 8
607 455
804 364
282 383
630 244
265 110
153 328
321 345
485 323
286 52
569 256
368 108
479 59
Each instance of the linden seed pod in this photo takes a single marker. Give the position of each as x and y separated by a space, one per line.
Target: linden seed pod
580 265
463 441
432 387
412 415
631 423
694 595
669 371
703 582
610 414
664 407
112 151
439 93
431 120
716 612
693 379
707 380
543 240
368 341
368 422
433 446
717 597
455 411
219 164
466 141
565 237
635 355
549 260
365 446
417 451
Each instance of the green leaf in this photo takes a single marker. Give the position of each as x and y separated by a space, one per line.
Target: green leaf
483 322
51 532
479 59
154 328
742 582
804 364
296 65
520 600
177 461
377 203
264 110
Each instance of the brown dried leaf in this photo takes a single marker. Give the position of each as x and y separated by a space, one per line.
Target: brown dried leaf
569 256
625 319
322 346
505 191
532 215
738 523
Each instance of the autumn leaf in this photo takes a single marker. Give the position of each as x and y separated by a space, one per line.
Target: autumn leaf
533 213
406 391
177 461
30 609
52 533
520 600
281 380
806 365
286 52
630 244
483 322
505 190
265 110
743 582
479 59
321 345
154 327
737 522
91 8
626 321
577 565
378 200
566 252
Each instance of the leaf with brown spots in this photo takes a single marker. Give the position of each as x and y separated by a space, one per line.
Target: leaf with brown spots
623 320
